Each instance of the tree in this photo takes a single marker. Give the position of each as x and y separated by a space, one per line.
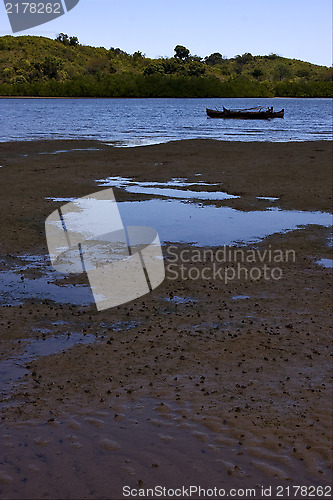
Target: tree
244 59
282 71
98 65
63 38
51 66
138 55
195 58
257 73
171 66
181 52
116 52
213 59
153 68
196 69
73 41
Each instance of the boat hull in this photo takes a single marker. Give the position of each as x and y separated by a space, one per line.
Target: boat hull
245 115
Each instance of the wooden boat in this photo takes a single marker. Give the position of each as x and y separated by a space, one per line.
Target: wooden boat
251 113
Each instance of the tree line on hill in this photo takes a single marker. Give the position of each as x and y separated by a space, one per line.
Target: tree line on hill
38 66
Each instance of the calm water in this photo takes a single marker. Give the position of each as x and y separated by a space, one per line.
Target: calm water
176 221
133 122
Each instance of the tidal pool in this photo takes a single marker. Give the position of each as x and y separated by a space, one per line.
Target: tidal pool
207 225
169 189
191 221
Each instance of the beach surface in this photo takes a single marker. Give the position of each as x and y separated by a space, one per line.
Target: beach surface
203 382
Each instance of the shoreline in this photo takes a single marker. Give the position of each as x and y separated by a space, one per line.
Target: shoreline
131 97
227 382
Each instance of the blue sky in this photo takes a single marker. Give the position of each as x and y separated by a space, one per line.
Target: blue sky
300 29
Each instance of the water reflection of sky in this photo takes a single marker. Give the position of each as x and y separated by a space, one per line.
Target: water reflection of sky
168 189
175 220
178 221
181 215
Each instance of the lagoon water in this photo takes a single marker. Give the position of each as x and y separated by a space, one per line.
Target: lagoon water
135 122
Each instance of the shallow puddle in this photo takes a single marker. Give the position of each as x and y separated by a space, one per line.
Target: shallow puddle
180 300
267 198
184 221
68 151
207 225
32 277
326 263
123 182
120 326
165 188
176 221
12 370
59 151
15 288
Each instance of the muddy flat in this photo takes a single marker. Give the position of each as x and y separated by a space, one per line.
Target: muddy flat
221 376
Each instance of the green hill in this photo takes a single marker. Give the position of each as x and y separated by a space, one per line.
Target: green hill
38 66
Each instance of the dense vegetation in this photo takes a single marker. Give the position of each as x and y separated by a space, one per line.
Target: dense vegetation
38 66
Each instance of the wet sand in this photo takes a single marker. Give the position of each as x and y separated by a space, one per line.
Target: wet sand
200 382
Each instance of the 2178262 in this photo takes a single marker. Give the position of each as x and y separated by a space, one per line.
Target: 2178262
303 491
33 8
